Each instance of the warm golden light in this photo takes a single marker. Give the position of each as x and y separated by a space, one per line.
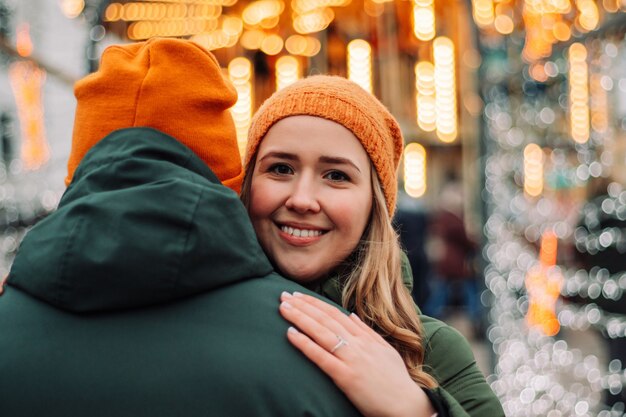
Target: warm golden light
425 96
611 6
547 6
533 170
561 31
72 8
113 12
414 170
599 104
27 83
260 10
314 21
424 19
589 15
543 285
360 63
232 26
578 93
23 42
538 72
306 6
504 24
287 71
373 8
240 73
270 22
538 43
145 29
445 89
239 70
252 39
303 45
272 45
483 13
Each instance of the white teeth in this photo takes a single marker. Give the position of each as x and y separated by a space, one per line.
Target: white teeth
300 232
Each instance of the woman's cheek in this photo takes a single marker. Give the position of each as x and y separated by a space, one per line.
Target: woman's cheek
351 211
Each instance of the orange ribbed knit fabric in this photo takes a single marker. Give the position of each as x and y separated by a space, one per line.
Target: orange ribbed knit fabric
344 102
171 85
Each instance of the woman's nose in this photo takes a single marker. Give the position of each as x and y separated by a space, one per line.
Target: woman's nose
303 197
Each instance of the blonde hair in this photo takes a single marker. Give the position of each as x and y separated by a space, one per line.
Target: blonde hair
374 289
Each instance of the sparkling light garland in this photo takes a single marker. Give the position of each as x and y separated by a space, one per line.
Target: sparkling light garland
360 63
579 93
414 170
424 19
425 96
240 73
483 13
535 375
533 170
27 83
287 71
599 102
593 284
445 89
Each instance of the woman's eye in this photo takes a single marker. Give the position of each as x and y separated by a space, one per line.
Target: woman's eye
281 169
337 176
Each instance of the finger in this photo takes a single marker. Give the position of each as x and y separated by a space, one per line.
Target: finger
318 332
356 328
327 362
367 329
325 311
3 281
334 323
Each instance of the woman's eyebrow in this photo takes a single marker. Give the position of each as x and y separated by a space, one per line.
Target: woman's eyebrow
280 155
338 160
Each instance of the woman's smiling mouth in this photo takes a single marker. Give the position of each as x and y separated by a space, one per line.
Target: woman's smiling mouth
300 232
300 235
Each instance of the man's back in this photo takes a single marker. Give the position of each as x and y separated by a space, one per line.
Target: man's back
223 353
146 294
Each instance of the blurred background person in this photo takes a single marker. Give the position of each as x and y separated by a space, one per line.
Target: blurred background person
411 222
451 251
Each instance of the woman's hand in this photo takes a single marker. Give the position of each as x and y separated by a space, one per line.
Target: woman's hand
364 366
2 282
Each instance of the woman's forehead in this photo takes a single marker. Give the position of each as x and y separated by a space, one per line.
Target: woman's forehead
303 135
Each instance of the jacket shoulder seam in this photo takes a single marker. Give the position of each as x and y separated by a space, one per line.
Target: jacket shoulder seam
187 236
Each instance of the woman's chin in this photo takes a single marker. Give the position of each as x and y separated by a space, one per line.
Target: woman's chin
301 274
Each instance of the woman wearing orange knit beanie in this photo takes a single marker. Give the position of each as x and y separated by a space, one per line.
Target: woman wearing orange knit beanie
320 187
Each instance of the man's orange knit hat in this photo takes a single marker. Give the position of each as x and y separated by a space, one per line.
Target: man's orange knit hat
171 85
344 102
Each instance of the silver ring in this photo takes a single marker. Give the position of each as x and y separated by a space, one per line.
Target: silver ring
342 342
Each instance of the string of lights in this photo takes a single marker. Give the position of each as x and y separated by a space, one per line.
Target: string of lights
595 283
590 315
533 159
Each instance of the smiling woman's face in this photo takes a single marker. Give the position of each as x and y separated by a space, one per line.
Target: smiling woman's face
310 195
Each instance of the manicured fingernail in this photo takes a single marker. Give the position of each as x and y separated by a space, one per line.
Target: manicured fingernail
297 294
354 316
292 330
285 294
286 305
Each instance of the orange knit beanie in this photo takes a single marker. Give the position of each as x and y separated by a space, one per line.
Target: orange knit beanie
171 85
344 102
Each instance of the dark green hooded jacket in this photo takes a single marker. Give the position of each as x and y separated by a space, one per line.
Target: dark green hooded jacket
146 294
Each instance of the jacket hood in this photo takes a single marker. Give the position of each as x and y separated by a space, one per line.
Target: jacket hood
143 222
